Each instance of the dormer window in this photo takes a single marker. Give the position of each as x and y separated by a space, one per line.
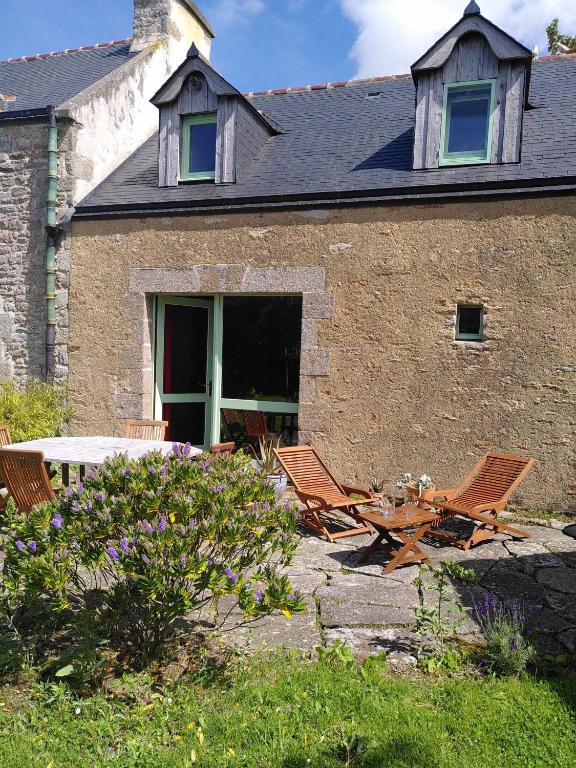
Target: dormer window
471 93
208 131
198 147
467 123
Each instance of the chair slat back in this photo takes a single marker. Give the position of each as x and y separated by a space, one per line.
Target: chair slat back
255 424
143 429
26 478
307 470
231 417
222 449
492 480
5 438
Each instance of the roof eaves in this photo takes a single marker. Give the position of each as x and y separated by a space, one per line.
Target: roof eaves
440 193
24 114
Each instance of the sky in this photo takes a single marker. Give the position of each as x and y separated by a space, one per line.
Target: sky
277 43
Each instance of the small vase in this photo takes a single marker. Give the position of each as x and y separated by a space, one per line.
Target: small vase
421 497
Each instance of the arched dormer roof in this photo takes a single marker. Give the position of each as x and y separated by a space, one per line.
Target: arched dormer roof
504 47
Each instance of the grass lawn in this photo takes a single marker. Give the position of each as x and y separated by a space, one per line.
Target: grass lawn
289 713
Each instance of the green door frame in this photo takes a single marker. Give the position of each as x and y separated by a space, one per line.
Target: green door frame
161 398
215 402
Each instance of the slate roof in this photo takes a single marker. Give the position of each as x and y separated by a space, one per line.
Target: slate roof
353 142
53 78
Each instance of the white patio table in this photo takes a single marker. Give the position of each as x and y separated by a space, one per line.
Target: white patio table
91 451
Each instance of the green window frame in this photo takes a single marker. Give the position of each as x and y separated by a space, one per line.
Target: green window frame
473 157
462 336
187 122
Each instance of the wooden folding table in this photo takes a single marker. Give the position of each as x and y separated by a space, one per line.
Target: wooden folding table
408 524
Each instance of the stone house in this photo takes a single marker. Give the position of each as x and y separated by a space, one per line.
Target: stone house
384 265
98 97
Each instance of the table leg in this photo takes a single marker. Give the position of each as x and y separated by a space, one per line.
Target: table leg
66 475
82 472
409 552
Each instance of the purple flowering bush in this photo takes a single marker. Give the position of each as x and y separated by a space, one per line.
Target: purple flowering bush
156 539
504 624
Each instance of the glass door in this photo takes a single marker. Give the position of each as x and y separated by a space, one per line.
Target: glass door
184 362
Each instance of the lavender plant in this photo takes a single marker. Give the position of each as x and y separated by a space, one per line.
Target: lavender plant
509 649
156 539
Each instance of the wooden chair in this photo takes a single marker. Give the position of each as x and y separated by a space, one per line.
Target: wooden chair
26 478
231 417
222 449
320 492
255 425
142 429
234 428
5 438
481 495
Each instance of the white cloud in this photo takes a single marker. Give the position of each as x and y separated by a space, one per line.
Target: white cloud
392 34
233 11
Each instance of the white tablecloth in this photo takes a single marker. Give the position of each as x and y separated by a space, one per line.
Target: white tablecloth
92 451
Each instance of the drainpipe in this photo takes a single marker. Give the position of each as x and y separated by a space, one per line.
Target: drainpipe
51 230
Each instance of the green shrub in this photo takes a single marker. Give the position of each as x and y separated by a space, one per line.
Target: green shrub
142 543
38 410
438 622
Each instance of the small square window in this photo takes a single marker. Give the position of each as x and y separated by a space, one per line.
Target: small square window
198 147
469 323
467 123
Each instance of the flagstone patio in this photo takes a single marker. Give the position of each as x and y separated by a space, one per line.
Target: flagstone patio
372 613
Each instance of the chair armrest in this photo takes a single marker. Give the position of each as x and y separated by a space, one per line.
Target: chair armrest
443 493
356 492
493 507
306 497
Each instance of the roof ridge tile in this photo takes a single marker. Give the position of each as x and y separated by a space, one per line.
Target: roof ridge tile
372 80
328 86
67 51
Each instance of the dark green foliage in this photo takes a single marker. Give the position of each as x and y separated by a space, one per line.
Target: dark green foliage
554 38
140 545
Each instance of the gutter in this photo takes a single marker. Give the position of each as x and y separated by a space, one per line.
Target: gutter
24 114
415 195
51 230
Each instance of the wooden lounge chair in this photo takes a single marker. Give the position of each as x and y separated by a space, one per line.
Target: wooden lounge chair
142 429
26 478
320 492
222 449
481 495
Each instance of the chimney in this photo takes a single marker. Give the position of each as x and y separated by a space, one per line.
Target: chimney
176 22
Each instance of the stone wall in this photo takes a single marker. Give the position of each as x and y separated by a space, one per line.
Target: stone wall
23 190
393 392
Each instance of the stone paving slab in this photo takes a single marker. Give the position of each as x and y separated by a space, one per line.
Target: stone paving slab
301 631
372 612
